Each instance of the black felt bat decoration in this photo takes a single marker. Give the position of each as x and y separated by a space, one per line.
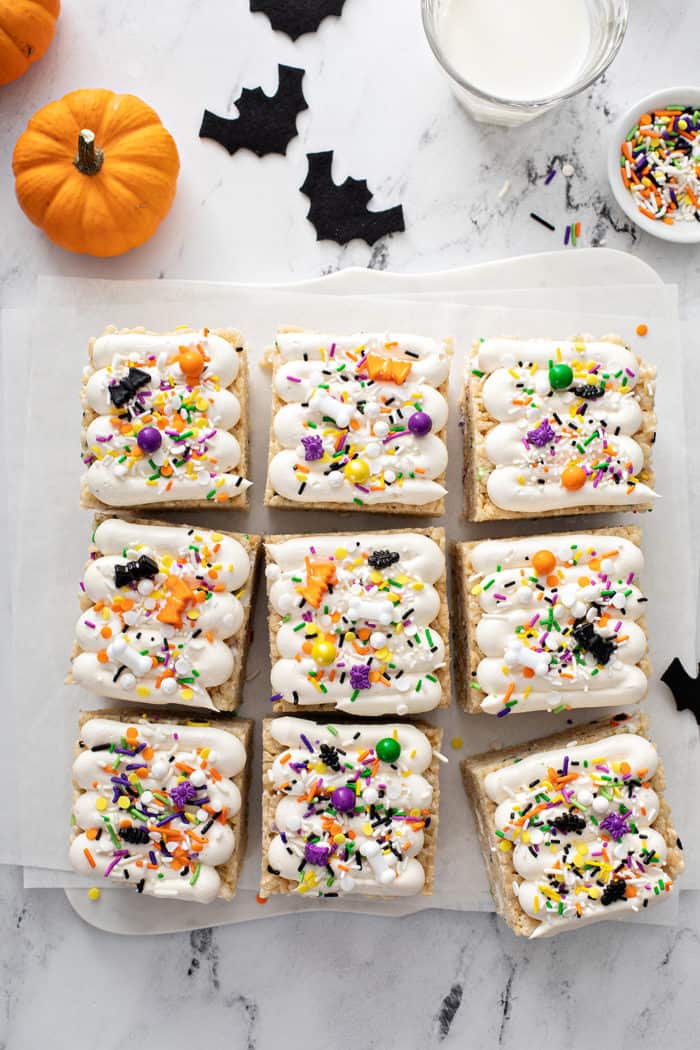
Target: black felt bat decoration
296 17
686 690
265 123
339 213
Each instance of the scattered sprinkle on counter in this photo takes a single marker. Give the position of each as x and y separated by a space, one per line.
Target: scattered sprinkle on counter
642 329
660 164
94 894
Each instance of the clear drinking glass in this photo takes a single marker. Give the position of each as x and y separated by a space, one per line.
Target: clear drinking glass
608 24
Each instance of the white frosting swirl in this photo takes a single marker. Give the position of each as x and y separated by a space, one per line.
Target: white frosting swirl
375 617
372 848
194 415
541 431
169 637
578 820
352 398
155 805
540 632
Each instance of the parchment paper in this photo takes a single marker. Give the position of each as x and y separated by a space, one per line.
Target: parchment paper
54 534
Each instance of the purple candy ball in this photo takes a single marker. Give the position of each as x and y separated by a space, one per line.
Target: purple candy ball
149 439
316 853
420 424
343 799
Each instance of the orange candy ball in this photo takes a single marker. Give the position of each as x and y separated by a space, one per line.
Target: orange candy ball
543 562
573 478
191 363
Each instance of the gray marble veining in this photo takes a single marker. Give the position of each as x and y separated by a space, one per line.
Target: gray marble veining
377 99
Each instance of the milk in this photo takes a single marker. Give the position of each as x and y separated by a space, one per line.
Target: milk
519 50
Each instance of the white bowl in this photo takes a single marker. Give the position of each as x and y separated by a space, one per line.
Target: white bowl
679 232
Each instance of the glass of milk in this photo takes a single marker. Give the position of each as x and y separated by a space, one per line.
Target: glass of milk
510 60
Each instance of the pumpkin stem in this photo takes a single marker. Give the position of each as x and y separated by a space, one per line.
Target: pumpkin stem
89 159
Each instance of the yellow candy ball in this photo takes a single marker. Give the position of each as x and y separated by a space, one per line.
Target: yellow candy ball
94 893
323 652
357 471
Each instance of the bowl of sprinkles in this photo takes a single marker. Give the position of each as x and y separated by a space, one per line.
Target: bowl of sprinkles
654 164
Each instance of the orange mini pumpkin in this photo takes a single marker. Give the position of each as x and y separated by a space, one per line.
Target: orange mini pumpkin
26 30
96 171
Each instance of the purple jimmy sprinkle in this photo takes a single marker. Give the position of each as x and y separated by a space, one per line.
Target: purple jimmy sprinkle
305 742
542 435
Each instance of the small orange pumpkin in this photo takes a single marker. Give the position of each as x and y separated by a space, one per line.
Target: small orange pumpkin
96 171
26 30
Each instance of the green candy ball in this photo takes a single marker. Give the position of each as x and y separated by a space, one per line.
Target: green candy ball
388 749
560 376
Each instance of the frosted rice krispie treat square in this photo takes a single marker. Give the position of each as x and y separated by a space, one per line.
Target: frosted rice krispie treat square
359 622
557 427
574 828
358 422
349 808
165 614
551 623
165 420
160 806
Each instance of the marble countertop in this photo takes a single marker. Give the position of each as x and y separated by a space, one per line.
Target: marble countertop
377 99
